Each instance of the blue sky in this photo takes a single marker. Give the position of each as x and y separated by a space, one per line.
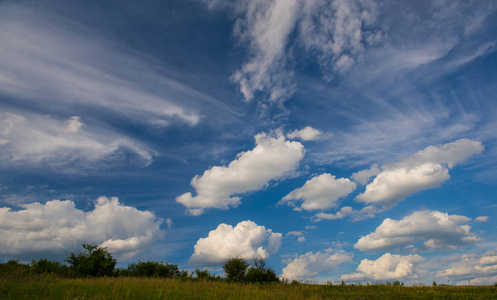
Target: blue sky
339 140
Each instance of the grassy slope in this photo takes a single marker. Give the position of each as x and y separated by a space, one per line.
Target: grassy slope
46 287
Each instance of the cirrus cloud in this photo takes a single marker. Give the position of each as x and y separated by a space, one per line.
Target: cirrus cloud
31 139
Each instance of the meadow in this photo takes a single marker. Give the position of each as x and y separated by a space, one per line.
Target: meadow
53 287
45 279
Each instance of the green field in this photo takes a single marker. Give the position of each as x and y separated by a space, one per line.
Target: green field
49 287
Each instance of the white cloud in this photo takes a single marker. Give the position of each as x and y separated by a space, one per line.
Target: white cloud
342 213
387 267
321 192
246 240
66 64
272 158
335 31
331 30
357 215
295 233
311 265
364 176
59 227
306 134
32 139
435 229
424 170
482 219
301 239
265 25
473 269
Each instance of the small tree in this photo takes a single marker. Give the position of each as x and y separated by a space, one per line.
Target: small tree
94 261
51 267
235 269
260 273
154 269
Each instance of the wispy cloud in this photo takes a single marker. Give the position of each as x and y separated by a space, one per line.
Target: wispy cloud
48 58
68 146
334 31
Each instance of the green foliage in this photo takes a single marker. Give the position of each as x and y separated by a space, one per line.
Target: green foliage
153 269
235 269
396 283
434 283
94 261
259 273
13 262
45 266
205 275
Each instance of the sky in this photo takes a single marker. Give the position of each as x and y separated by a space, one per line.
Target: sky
339 140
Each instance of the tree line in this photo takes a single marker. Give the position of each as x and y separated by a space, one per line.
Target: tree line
96 261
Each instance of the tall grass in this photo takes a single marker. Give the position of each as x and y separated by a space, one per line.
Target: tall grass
38 286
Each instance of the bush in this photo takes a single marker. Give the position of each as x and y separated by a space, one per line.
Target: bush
260 273
94 261
153 269
205 275
235 269
49 267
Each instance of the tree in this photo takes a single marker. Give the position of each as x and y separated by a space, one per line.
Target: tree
94 261
154 269
260 273
235 269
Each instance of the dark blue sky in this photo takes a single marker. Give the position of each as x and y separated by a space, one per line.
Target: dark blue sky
350 140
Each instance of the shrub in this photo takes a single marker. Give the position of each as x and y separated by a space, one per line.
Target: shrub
94 261
235 269
205 275
260 273
49 267
153 269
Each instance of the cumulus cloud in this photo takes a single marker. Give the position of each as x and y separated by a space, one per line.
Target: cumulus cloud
59 227
306 134
428 168
482 219
387 267
272 158
33 140
435 229
477 269
321 192
245 240
331 30
364 176
346 211
311 265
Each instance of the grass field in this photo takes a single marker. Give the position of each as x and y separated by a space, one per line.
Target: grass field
50 287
